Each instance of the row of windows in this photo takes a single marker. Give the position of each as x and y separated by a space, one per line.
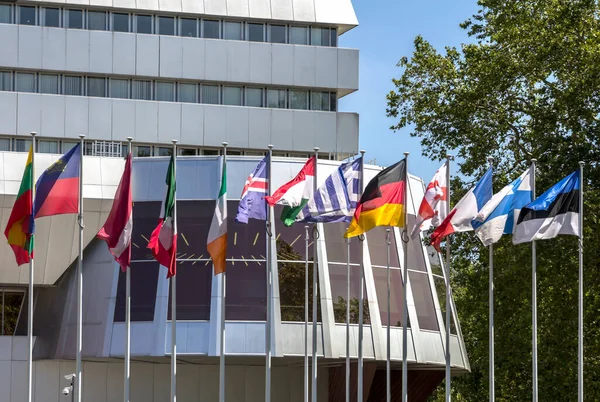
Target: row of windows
167 25
167 91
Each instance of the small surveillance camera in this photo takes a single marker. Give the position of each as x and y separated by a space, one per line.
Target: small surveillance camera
66 391
70 376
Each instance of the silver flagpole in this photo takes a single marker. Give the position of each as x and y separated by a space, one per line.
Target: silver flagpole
174 291
448 308
315 289
491 318
347 320
580 318
361 296
388 368
78 366
534 297
127 367
405 272
223 290
306 392
268 324
30 291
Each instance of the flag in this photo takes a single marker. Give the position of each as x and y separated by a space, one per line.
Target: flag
57 189
252 202
497 217
434 206
163 241
336 199
461 217
295 194
119 224
552 213
217 235
20 227
382 203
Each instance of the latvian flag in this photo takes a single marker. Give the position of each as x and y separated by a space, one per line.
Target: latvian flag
252 202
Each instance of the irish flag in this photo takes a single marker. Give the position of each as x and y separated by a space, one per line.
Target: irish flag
217 235
20 227
163 241
295 194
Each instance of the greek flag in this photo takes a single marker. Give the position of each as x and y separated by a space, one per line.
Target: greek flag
336 199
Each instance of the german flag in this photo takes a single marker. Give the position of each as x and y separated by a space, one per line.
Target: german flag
382 203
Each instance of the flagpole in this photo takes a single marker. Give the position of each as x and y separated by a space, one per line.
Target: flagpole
315 289
405 272
306 238
174 291
78 365
448 313
361 296
30 291
127 367
492 391
268 324
348 320
388 368
580 318
223 289
534 296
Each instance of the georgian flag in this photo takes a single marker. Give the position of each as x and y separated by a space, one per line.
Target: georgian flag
434 206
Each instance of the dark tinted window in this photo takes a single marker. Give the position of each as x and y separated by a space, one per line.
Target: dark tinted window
256 32
396 295
144 24
210 29
26 15
421 291
51 17
120 22
166 25
97 20
96 87
74 19
277 33
189 27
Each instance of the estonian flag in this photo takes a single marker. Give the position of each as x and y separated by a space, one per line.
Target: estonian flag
554 212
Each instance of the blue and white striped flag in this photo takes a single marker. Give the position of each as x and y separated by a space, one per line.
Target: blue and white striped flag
336 199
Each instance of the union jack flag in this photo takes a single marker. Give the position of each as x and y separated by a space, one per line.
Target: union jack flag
253 204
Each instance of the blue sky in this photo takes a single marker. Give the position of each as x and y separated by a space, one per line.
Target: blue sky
385 33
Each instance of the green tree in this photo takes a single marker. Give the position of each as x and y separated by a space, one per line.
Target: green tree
527 86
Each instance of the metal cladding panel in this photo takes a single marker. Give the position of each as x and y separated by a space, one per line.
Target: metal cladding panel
192 6
326 65
282 123
123 119
10 45
30 47
238 8
215 59
192 124
78 44
193 58
282 10
303 135
259 128
171 56
282 60
237 127
76 116
238 61
325 124
146 59
215 7
347 132
8 113
54 53
131 4
124 53
170 5
53 116
100 112
305 62
144 344
101 3
304 10
338 12
146 121
215 125
169 122
347 68
151 5
101 52
260 9
260 63
29 113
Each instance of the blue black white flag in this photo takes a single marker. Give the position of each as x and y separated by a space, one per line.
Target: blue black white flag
336 199
497 217
253 204
553 213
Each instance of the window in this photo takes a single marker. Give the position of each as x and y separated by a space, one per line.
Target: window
142 90
51 17
277 33
22 145
25 82
47 147
298 99
319 37
120 22
6 14
189 27
5 81
254 97
67 146
119 88
232 30
166 25
276 98
48 83
165 91
299 35
97 87
163 151
333 37
332 102
96 20
186 151
143 24
187 93
27 15
232 96
210 29
256 32
5 144
74 19
319 101
12 309
210 94
142 151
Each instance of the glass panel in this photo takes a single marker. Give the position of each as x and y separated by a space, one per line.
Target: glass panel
120 22
210 29
4 144
5 81
376 239
48 84
189 27
47 147
299 35
97 87
119 88
165 91
142 90
166 25
298 99
210 94
96 20
163 151
319 101
324 37
67 146
232 96
338 275
232 30
142 150
186 151
143 24
27 15
396 295
276 98
25 82
13 302
421 291
51 17
315 36
74 19
440 287
333 37
6 14
254 97
187 93
256 32
22 145
332 102
277 33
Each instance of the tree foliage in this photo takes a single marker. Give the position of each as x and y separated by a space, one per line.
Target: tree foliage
527 86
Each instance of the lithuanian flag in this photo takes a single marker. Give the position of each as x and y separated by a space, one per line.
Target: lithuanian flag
383 201
20 227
